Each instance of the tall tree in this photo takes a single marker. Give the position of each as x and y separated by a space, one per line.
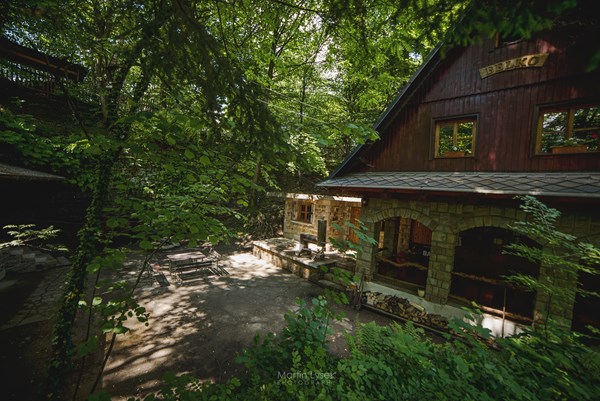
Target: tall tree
193 104
135 145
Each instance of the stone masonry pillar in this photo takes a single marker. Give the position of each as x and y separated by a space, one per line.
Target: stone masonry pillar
441 263
390 237
558 305
366 261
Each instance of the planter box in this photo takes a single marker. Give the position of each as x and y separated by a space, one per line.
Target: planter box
455 153
569 149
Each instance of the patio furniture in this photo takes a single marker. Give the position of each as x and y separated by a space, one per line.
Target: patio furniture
189 265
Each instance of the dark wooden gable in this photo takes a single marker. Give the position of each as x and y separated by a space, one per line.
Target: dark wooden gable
504 104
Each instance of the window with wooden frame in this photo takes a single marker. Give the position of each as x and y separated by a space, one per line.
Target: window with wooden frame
455 138
304 211
568 129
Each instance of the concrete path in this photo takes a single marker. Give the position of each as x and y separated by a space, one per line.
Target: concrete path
199 327
29 303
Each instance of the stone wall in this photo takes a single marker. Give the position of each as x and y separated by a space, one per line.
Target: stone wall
281 252
333 209
447 220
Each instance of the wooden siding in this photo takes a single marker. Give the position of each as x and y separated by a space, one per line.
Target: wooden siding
505 104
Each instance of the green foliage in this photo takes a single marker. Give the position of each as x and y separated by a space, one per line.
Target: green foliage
308 327
38 145
191 110
347 246
379 46
563 255
27 234
186 387
401 363
508 18
102 395
306 332
522 368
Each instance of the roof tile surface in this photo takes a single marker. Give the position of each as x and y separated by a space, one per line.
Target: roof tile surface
569 184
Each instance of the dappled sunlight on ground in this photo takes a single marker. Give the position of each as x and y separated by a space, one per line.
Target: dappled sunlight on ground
199 327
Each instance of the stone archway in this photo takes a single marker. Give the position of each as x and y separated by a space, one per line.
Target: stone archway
543 302
379 215
397 228
443 250
482 221
480 268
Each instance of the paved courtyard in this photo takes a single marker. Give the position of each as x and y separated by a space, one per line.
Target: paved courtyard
199 327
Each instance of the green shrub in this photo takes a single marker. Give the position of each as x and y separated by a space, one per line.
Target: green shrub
401 363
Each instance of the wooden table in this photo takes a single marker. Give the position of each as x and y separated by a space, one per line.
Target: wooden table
186 257
190 264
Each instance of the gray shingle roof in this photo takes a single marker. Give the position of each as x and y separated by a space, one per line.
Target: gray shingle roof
14 172
568 184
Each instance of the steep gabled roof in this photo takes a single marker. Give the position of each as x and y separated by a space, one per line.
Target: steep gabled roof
431 61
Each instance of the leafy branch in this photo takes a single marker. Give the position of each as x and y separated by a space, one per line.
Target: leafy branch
28 235
562 255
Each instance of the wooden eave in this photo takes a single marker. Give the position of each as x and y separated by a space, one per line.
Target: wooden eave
25 56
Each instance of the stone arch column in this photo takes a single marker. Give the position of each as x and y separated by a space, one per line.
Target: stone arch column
547 305
441 263
365 261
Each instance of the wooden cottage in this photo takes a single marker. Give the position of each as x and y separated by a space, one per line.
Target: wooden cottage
30 86
470 131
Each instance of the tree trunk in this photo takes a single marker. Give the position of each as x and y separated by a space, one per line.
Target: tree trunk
90 246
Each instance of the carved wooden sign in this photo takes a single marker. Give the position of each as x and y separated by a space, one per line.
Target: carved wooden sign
531 60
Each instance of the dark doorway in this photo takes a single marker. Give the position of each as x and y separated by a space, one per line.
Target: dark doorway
405 252
587 307
480 270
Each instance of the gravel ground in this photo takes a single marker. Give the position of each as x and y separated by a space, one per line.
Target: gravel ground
196 327
199 327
